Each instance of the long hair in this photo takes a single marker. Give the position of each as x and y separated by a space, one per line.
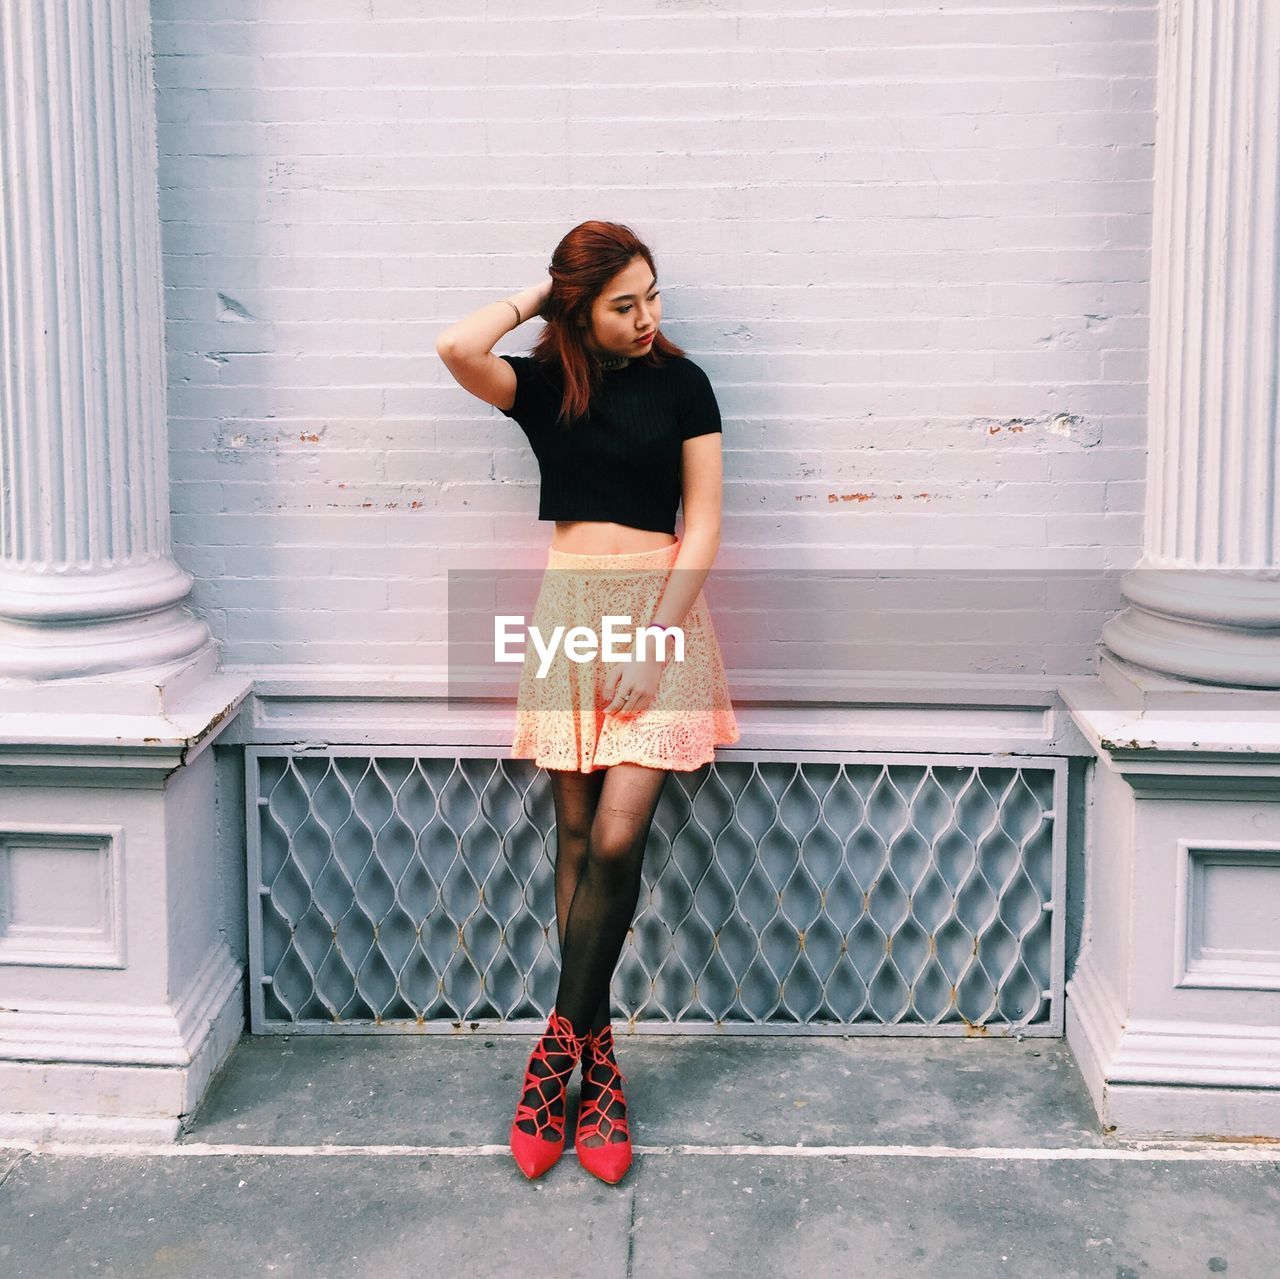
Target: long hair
582 264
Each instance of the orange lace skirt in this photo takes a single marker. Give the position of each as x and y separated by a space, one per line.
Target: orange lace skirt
560 717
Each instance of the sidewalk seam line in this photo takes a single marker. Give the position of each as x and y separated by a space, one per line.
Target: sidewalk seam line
1154 1152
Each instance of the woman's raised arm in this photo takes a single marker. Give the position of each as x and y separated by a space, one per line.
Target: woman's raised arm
467 346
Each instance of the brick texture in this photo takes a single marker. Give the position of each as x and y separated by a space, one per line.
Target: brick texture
909 244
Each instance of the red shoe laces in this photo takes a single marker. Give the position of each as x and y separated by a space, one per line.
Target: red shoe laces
557 1040
593 1117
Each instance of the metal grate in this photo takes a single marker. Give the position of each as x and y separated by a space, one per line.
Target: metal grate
833 894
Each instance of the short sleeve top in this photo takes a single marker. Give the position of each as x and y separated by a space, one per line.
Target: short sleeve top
620 462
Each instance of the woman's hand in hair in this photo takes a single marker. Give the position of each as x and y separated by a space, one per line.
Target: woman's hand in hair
545 288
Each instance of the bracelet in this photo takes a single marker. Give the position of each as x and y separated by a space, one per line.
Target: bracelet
666 630
516 309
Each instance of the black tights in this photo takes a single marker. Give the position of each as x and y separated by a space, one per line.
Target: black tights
602 827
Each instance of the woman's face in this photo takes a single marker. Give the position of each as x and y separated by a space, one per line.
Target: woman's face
629 308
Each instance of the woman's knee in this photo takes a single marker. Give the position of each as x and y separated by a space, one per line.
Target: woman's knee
614 850
572 839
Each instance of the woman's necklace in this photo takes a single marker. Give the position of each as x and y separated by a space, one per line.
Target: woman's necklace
616 363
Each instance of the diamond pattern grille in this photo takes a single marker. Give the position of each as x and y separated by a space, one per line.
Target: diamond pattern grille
833 894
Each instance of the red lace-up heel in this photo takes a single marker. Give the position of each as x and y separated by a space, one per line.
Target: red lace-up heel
535 1152
612 1159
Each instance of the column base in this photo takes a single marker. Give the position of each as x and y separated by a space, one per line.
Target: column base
1217 627
1172 1079
1173 1011
87 1073
70 625
122 993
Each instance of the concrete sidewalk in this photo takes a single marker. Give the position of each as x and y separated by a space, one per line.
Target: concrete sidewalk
386 1156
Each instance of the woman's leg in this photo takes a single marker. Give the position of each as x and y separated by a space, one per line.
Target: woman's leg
602 903
608 889
603 906
576 796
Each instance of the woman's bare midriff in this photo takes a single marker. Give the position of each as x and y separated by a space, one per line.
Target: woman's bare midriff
595 537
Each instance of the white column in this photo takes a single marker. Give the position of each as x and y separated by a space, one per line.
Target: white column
1205 599
121 991
1173 1010
87 581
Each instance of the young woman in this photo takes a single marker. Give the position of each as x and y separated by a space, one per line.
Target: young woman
624 428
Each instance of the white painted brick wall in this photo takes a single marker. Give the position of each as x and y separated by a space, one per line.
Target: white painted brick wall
910 245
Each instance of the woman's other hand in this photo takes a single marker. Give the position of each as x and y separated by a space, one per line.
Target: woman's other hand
632 687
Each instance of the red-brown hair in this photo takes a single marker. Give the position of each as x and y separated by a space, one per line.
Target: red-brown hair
583 263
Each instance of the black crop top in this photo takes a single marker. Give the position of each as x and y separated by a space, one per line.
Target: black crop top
621 462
